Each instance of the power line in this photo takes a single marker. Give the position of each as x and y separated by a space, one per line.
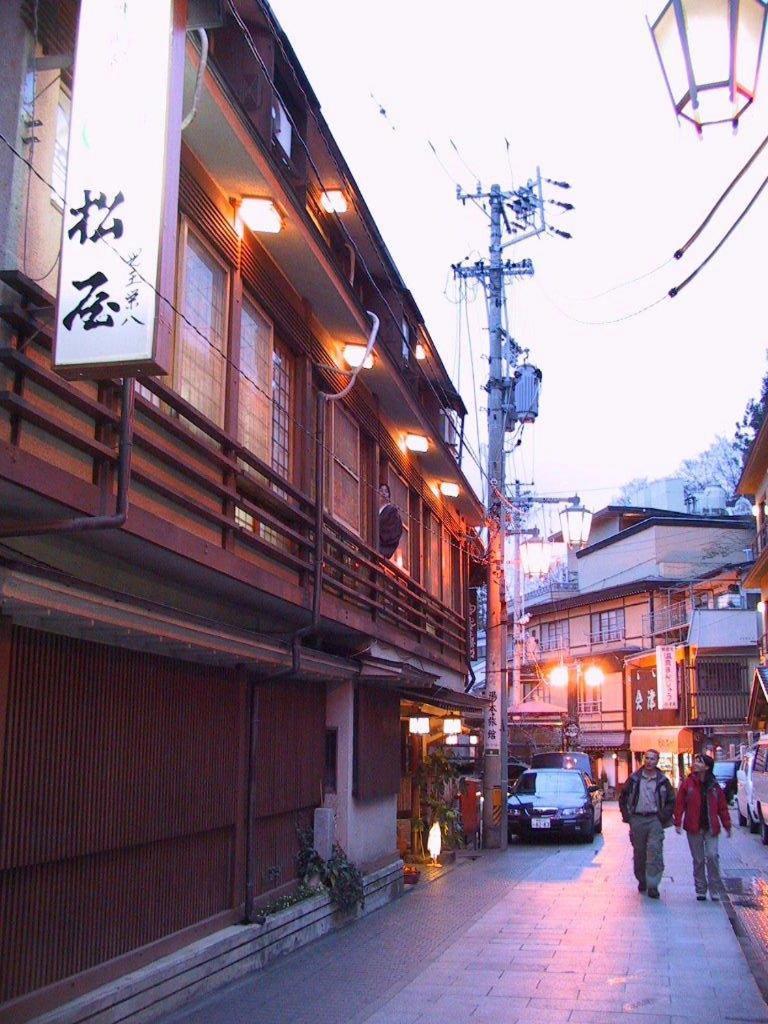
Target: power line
676 290
601 323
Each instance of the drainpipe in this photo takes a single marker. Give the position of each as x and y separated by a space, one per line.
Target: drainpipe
79 524
317 584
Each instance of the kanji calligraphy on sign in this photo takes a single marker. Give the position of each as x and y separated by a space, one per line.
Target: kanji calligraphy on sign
492 721
122 179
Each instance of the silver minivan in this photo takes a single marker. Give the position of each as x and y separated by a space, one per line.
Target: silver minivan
744 796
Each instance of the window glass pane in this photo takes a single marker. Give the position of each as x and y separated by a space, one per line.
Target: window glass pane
281 410
60 144
346 468
255 405
202 332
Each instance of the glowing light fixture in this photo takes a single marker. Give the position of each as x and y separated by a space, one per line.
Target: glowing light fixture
449 489
260 214
418 725
575 522
473 740
420 352
451 726
354 356
761 606
452 740
709 52
594 676
434 842
559 676
334 201
536 555
416 443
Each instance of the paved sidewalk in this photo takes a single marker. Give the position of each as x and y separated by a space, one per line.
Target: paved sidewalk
540 935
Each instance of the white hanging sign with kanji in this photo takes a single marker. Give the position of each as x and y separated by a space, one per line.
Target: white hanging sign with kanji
108 304
666 678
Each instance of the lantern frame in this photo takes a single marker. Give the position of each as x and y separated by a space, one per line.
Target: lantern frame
575 524
681 34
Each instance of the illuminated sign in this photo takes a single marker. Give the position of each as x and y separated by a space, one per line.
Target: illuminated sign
110 320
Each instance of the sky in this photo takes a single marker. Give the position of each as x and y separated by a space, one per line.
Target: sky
576 89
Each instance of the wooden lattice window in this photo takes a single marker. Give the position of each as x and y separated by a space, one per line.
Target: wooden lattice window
201 331
345 468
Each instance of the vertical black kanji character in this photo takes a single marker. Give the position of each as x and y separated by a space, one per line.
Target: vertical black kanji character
91 306
91 203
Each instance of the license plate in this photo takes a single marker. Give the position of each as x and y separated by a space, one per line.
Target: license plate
541 822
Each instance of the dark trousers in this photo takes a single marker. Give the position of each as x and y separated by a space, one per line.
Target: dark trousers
647 837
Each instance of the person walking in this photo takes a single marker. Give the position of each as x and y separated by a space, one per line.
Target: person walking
647 804
700 809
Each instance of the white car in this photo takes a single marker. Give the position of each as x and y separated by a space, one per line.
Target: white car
744 796
759 798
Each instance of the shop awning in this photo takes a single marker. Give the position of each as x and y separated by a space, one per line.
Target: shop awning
445 698
670 740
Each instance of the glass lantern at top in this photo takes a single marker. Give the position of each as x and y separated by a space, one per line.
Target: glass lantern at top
710 51
575 523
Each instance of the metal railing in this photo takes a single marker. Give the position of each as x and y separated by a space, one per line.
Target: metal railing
608 635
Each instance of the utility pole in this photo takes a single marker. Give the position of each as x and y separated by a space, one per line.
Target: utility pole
527 210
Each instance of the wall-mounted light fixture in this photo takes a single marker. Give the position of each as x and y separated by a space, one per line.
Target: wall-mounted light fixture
260 214
420 352
473 740
452 740
449 489
559 676
418 725
333 200
451 726
594 675
416 443
354 356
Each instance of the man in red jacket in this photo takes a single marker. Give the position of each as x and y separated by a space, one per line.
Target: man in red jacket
700 808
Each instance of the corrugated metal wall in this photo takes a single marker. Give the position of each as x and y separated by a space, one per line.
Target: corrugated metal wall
121 797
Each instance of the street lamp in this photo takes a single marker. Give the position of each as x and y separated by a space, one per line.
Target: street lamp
575 523
709 52
535 555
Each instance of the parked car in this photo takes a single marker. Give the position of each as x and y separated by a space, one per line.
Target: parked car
563 759
760 786
515 770
745 800
560 801
725 773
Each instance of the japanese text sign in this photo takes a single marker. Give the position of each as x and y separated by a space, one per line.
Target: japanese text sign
666 677
109 310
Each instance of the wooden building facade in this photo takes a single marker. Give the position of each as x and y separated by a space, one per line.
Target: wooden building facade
179 693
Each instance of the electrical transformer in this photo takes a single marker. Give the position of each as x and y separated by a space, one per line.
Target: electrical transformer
524 404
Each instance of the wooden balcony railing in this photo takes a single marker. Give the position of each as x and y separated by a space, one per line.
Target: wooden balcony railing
191 473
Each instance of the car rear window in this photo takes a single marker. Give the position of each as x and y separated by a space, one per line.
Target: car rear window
550 784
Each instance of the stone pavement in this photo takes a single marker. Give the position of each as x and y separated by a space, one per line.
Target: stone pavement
540 935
